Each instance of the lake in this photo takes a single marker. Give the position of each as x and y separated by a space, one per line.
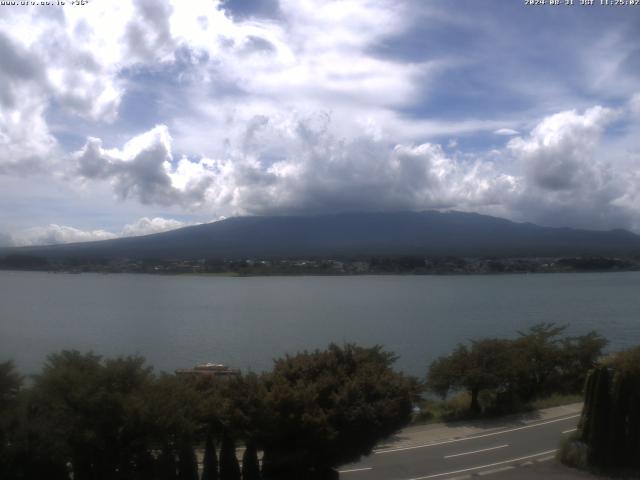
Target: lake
177 321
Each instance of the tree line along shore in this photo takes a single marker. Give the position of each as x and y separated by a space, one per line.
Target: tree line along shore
85 417
361 265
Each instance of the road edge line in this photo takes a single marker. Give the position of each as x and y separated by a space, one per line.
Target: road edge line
435 475
473 437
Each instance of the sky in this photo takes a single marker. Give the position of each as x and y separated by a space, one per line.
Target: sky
130 117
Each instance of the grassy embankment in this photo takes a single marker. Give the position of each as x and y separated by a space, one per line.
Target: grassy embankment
457 408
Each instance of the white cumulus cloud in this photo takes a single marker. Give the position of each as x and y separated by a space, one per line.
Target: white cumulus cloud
324 106
143 169
558 153
634 104
568 177
506 132
287 165
147 226
55 234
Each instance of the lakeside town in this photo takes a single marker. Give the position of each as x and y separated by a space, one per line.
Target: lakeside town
410 265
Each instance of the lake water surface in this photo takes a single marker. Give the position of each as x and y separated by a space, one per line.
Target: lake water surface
177 321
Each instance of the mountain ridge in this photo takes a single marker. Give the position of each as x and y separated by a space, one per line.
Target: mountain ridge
428 232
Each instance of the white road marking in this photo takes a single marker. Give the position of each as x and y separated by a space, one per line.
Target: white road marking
476 451
355 470
391 450
496 470
570 430
480 467
545 459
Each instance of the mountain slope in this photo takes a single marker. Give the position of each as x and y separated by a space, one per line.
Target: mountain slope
396 233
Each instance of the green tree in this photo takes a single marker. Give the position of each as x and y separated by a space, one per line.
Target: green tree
172 412
210 462
145 466
229 467
447 373
10 386
487 364
167 465
610 422
537 363
578 356
540 356
187 462
90 412
236 407
250 464
331 407
67 403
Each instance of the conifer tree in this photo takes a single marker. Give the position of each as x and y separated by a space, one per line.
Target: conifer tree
145 467
187 463
229 467
167 468
210 463
250 464
610 423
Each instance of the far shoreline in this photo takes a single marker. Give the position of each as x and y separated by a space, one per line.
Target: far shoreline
311 274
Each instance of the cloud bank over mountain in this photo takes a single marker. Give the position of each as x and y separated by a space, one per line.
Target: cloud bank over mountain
194 110
58 234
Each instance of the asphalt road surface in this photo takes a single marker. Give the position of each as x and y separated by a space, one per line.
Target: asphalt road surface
493 451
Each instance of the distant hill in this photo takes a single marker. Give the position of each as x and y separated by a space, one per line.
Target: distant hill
427 233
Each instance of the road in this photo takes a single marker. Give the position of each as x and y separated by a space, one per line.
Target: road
491 451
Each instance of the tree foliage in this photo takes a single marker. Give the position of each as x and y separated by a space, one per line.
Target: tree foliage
91 410
229 466
610 422
250 463
485 364
187 463
331 407
210 461
540 361
85 417
10 384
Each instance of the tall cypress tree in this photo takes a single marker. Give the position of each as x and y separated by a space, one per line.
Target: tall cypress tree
617 440
187 463
610 424
210 463
269 471
634 428
587 410
45 468
145 467
229 467
167 468
599 431
250 464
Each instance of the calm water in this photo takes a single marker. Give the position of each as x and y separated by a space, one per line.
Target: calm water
246 322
